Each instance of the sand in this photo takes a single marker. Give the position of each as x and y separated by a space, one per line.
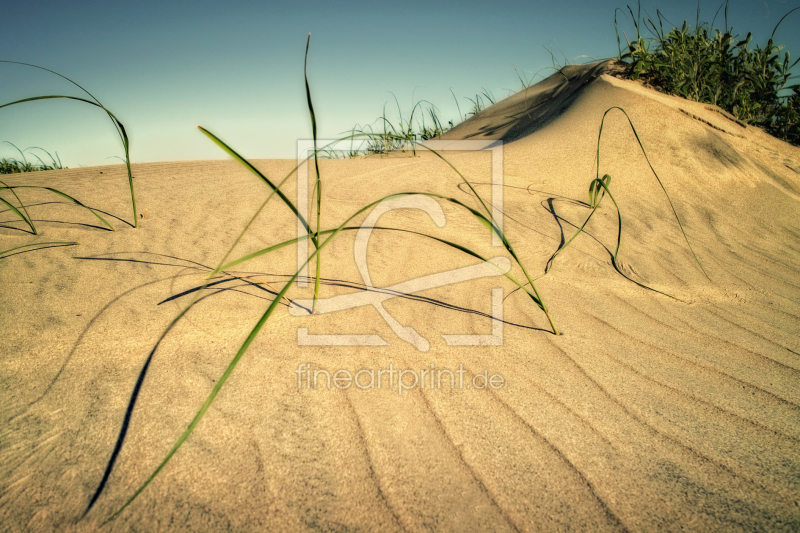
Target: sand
649 412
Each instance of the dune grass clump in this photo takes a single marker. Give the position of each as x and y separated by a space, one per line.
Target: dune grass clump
401 136
408 133
478 103
714 66
14 166
93 102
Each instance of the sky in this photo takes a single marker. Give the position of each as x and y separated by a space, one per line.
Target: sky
236 67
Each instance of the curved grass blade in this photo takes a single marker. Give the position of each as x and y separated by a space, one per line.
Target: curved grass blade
20 215
197 297
318 185
69 80
671 205
481 218
54 243
254 170
614 260
24 159
56 164
27 218
296 240
599 183
68 197
491 222
117 123
596 189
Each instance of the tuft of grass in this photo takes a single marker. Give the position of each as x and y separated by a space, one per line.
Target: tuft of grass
478 104
403 135
96 103
14 166
711 65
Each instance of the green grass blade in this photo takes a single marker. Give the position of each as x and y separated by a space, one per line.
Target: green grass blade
649 164
191 304
24 159
68 197
27 218
318 186
602 183
20 215
481 218
264 251
255 171
491 223
54 243
117 123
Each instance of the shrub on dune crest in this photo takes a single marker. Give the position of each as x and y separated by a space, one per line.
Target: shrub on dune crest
714 66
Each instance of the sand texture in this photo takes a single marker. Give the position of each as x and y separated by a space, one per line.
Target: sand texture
649 412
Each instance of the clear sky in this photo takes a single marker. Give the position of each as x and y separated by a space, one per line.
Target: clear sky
236 67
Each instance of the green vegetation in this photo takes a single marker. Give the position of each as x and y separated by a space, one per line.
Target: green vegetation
408 132
94 102
704 64
401 136
14 166
599 187
714 66
694 64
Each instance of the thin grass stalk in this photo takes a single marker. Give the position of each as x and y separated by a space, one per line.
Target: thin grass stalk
68 197
488 222
332 233
318 185
491 223
117 124
15 210
603 183
27 218
661 184
24 159
48 244
254 332
275 190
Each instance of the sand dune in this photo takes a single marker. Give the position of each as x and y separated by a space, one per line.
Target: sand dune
649 412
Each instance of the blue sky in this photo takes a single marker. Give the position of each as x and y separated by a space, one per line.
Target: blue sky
236 67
